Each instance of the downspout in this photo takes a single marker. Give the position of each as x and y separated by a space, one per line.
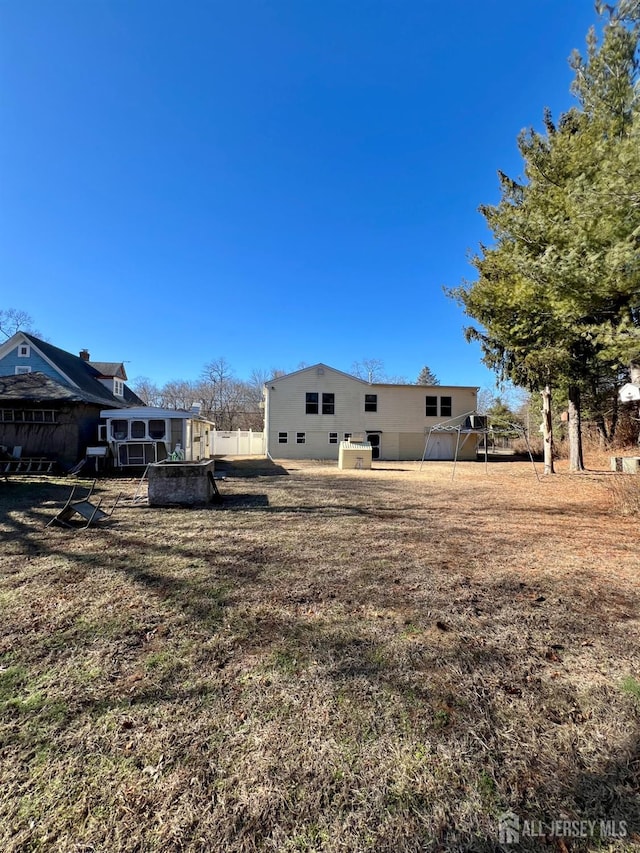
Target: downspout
267 425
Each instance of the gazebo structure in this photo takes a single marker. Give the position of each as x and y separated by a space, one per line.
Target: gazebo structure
469 424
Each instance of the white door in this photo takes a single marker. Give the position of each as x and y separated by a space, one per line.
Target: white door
441 447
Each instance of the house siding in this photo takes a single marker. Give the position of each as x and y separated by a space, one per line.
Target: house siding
66 440
400 418
34 360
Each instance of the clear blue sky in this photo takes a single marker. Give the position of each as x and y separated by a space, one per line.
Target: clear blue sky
272 181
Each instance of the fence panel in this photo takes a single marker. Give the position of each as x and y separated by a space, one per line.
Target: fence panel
238 442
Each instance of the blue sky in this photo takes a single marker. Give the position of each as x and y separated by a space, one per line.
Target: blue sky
271 181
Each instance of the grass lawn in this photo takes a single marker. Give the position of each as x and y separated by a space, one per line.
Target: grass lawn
380 660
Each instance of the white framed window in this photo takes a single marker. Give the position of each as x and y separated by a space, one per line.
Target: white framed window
118 387
347 436
24 351
282 438
333 438
22 369
301 437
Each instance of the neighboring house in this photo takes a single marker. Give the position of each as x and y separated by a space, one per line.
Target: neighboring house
50 400
309 412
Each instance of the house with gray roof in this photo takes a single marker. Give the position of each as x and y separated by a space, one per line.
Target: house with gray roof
50 399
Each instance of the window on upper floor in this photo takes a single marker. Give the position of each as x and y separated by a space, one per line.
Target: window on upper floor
118 387
23 369
371 402
24 351
311 406
328 404
445 406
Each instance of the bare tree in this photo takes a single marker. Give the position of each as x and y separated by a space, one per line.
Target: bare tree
372 370
178 394
486 399
369 369
147 390
215 391
255 389
14 320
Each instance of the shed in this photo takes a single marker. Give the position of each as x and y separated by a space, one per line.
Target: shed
352 454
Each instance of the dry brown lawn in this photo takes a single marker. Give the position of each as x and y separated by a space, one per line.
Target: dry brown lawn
380 660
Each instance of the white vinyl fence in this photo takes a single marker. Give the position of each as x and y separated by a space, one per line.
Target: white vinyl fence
239 442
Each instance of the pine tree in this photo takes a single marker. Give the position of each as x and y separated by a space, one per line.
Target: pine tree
427 377
558 293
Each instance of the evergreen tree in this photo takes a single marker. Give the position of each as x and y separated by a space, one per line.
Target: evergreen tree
558 293
427 377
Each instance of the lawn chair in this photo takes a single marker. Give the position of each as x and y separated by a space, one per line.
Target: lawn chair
84 507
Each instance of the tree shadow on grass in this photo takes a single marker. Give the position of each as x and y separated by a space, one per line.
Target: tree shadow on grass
28 497
255 467
408 693
450 686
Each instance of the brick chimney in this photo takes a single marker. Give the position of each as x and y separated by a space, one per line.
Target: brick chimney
84 354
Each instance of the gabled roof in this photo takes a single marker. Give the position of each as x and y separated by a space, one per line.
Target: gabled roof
107 369
80 374
316 368
322 367
40 388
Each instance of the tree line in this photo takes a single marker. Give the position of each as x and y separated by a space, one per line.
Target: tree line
233 403
557 294
230 402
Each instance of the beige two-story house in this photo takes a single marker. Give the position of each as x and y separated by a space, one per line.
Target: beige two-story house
309 412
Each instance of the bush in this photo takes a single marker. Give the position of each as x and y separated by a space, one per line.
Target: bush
624 490
519 446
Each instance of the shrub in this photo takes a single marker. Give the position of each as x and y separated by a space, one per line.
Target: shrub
624 490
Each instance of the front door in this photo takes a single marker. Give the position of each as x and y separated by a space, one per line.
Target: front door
374 440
